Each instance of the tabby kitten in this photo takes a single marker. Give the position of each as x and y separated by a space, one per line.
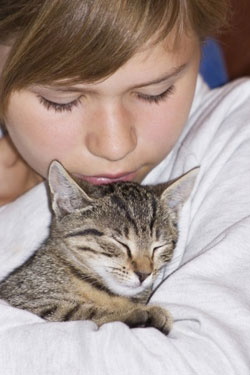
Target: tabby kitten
106 247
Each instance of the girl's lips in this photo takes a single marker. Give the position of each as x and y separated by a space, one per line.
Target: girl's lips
107 178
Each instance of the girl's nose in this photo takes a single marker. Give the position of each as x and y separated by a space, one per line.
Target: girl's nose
112 134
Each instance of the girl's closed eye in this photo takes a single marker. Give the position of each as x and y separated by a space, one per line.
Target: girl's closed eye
157 98
59 107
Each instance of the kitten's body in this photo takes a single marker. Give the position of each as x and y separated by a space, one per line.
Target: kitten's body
105 249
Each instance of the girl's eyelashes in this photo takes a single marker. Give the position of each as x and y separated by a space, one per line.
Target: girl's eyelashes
58 107
157 98
61 107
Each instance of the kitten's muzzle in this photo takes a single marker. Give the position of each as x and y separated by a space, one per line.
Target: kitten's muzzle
143 268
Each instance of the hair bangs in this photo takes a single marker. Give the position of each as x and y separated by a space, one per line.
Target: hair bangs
87 42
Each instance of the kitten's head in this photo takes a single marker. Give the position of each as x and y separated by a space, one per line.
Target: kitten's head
120 234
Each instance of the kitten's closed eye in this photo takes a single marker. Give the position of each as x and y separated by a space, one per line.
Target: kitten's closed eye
161 246
125 246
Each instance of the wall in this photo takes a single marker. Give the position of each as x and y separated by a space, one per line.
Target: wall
235 42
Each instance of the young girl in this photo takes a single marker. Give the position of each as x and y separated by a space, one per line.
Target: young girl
110 89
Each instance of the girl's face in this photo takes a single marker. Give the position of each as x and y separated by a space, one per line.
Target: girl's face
116 129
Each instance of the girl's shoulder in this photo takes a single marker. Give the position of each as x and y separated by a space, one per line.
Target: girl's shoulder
24 225
229 96
218 116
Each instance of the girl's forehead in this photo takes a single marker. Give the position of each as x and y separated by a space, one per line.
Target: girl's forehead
171 49
152 65
148 67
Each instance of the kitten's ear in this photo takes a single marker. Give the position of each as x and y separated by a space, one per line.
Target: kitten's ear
66 194
176 194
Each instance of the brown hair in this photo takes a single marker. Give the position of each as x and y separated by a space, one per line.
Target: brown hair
87 40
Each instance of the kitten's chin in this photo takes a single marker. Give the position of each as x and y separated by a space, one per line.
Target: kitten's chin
122 290
126 290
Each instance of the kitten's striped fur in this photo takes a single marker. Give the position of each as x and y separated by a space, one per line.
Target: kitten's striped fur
106 246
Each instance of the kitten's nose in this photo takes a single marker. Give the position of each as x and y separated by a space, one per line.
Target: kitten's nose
142 276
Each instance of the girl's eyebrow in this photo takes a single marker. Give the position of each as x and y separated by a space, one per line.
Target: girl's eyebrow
167 76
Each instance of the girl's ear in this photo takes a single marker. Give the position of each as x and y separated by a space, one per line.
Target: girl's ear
66 194
176 194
